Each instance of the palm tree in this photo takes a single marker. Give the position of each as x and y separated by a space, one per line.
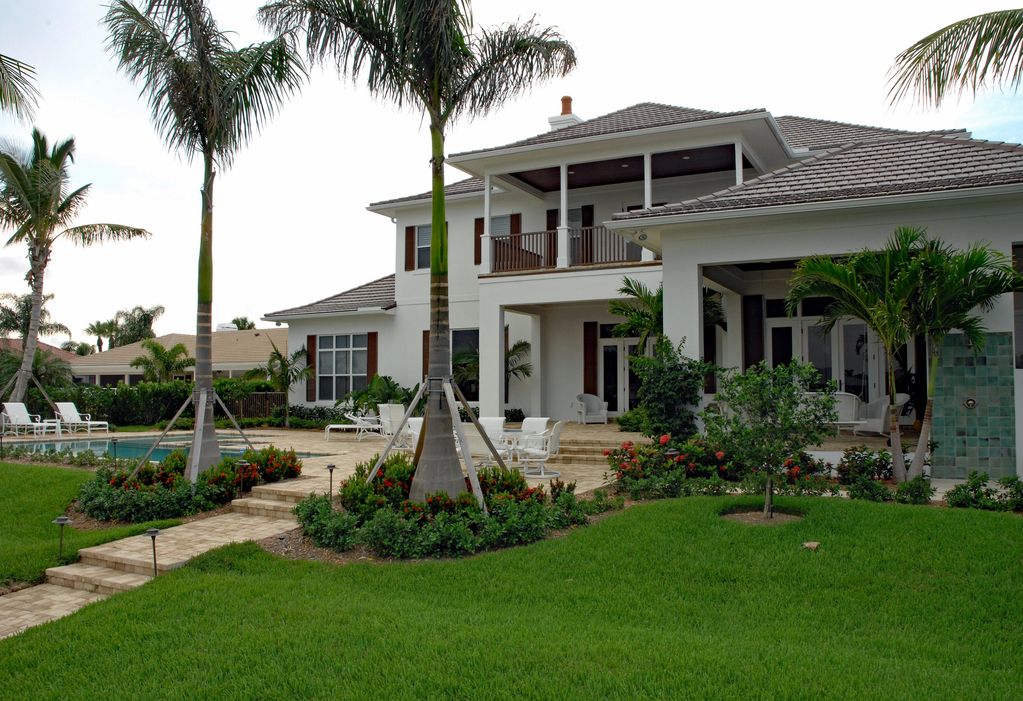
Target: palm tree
134 325
16 316
18 93
954 285
876 287
964 55
208 99
465 364
424 54
242 323
78 347
103 329
36 203
161 364
51 372
283 371
643 311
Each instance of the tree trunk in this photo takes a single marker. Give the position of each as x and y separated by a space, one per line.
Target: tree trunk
287 418
438 469
895 435
917 468
205 448
769 497
31 341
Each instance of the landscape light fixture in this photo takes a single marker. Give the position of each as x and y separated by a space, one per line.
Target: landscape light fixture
242 464
61 521
330 490
113 442
152 533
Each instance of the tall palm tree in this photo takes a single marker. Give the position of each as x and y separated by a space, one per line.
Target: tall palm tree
16 317
18 93
242 323
424 54
103 329
954 286
208 99
78 347
962 56
161 364
282 371
876 287
134 325
36 203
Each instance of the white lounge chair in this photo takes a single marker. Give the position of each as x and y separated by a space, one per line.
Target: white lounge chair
390 416
546 448
17 419
590 409
874 416
492 425
73 421
362 425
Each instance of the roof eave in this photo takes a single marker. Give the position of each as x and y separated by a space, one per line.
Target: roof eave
389 209
298 316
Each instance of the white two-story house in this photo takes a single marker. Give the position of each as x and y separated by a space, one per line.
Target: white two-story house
543 231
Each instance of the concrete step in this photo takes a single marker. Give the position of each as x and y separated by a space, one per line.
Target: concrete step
124 563
292 491
579 460
95 578
270 508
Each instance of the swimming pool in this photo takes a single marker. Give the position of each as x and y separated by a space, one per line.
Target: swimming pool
132 447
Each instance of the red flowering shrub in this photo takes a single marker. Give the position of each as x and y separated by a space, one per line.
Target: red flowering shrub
275 464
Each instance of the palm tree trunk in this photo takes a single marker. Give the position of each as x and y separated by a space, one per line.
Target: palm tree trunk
438 469
31 340
917 468
205 449
898 458
769 497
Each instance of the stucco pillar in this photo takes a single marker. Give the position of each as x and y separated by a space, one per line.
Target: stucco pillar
485 265
491 360
563 220
738 163
648 194
683 303
731 356
535 355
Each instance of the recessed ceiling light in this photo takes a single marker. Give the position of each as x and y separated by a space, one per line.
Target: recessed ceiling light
571 172
625 165
686 158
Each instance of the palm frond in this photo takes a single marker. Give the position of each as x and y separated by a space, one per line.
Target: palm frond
90 234
963 56
18 92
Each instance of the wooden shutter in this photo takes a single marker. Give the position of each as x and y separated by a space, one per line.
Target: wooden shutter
310 360
590 357
410 248
710 353
515 229
551 249
426 352
371 355
752 330
477 241
586 236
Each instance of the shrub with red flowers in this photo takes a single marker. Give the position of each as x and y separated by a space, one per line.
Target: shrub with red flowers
274 463
659 468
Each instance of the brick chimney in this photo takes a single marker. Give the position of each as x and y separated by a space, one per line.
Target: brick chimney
567 118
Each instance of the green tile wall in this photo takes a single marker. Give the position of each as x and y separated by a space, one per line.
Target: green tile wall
982 438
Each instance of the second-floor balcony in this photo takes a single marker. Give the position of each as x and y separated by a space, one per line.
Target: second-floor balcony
538 250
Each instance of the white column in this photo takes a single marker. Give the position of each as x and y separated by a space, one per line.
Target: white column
485 245
535 359
731 356
738 163
491 360
563 220
648 181
683 304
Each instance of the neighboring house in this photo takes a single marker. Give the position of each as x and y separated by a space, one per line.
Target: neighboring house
543 233
14 345
234 352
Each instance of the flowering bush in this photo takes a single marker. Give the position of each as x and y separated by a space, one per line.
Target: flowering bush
656 469
275 463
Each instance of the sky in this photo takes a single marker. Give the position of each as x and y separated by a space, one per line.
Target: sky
290 224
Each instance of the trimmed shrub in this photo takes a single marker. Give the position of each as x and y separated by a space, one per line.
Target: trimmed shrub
515 416
326 527
870 490
671 386
916 491
860 461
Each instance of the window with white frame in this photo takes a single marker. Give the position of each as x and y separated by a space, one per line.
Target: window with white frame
341 365
500 225
423 234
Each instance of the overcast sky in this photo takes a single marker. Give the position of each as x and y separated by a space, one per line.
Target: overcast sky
290 224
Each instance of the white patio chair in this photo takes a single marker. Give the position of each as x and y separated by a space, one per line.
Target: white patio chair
847 406
590 409
73 421
539 456
390 416
409 438
493 425
874 415
479 452
362 425
17 419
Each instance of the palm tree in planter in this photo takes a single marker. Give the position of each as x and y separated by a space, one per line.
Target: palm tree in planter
283 371
423 53
207 98
876 287
161 364
37 203
954 286
16 316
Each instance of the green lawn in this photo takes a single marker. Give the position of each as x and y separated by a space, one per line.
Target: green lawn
665 600
31 496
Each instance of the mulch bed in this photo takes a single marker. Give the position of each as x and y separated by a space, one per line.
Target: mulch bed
83 522
756 518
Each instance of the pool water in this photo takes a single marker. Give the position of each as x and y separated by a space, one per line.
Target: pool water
133 447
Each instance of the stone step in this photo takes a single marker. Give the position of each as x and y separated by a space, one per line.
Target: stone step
125 563
270 508
562 459
580 450
291 491
95 578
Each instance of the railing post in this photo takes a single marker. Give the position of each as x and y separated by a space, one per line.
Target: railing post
563 251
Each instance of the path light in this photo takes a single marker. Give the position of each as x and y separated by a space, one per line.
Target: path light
330 491
152 533
242 465
113 442
61 521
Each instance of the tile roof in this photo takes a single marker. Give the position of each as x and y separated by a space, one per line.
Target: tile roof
14 345
891 166
818 134
379 293
235 347
645 115
457 188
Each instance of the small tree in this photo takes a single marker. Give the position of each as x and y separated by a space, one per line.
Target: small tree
242 323
671 386
766 415
160 364
282 371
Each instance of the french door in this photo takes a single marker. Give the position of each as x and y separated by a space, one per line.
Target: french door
847 353
618 383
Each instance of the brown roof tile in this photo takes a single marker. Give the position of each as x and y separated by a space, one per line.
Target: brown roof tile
378 293
252 346
819 134
14 345
460 187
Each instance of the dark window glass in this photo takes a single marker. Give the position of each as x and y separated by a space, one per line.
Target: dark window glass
607 330
776 309
326 386
465 348
816 306
781 345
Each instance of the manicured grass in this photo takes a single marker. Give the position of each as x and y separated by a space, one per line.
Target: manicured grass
31 496
665 600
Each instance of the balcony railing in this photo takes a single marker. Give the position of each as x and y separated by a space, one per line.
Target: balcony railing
534 250
594 245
